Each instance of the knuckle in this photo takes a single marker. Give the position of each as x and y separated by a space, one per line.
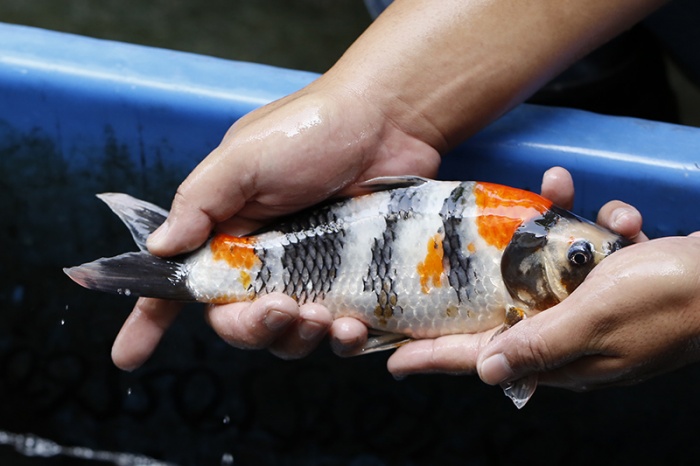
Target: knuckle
180 197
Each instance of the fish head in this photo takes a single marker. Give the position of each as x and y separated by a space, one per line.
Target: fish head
549 256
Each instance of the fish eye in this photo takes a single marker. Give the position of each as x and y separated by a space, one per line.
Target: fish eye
580 253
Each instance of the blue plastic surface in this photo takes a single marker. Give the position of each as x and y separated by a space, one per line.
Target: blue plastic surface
114 116
654 166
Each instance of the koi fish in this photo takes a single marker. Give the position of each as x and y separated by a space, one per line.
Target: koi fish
410 257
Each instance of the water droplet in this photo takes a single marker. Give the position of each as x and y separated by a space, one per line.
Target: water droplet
128 391
226 459
127 292
63 321
66 307
227 419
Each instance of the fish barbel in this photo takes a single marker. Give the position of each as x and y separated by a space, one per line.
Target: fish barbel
409 257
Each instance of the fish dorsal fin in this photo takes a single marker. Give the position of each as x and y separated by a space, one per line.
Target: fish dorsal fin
384 183
140 217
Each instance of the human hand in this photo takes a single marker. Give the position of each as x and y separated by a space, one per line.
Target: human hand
634 317
276 160
630 319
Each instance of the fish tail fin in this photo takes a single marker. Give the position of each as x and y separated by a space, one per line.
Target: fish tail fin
135 274
140 217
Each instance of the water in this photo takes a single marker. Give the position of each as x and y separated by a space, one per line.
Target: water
34 446
226 459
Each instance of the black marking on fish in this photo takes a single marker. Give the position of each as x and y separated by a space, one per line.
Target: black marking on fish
312 257
522 270
264 282
459 264
315 218
381 276
401 203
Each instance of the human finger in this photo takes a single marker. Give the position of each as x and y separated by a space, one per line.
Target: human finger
539 344
305 335
196 207
254 325
347 335
558 187
451 354
623 219
142 331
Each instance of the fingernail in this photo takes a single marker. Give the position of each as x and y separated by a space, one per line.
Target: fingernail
276 320
495 369
619 216
309 330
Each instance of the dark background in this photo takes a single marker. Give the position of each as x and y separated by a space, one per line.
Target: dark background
300 34
200 402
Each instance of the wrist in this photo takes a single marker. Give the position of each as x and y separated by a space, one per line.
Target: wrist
441 71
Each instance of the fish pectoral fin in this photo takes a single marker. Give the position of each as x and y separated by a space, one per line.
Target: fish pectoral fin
513 316
382 342
519 391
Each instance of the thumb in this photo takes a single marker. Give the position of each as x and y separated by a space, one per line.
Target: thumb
211 194
541 343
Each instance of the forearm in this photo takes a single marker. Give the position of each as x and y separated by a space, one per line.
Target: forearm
441 70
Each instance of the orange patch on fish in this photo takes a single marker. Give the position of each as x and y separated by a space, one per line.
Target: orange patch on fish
502 210
245 279
238 252
431 269
223 299
471 248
